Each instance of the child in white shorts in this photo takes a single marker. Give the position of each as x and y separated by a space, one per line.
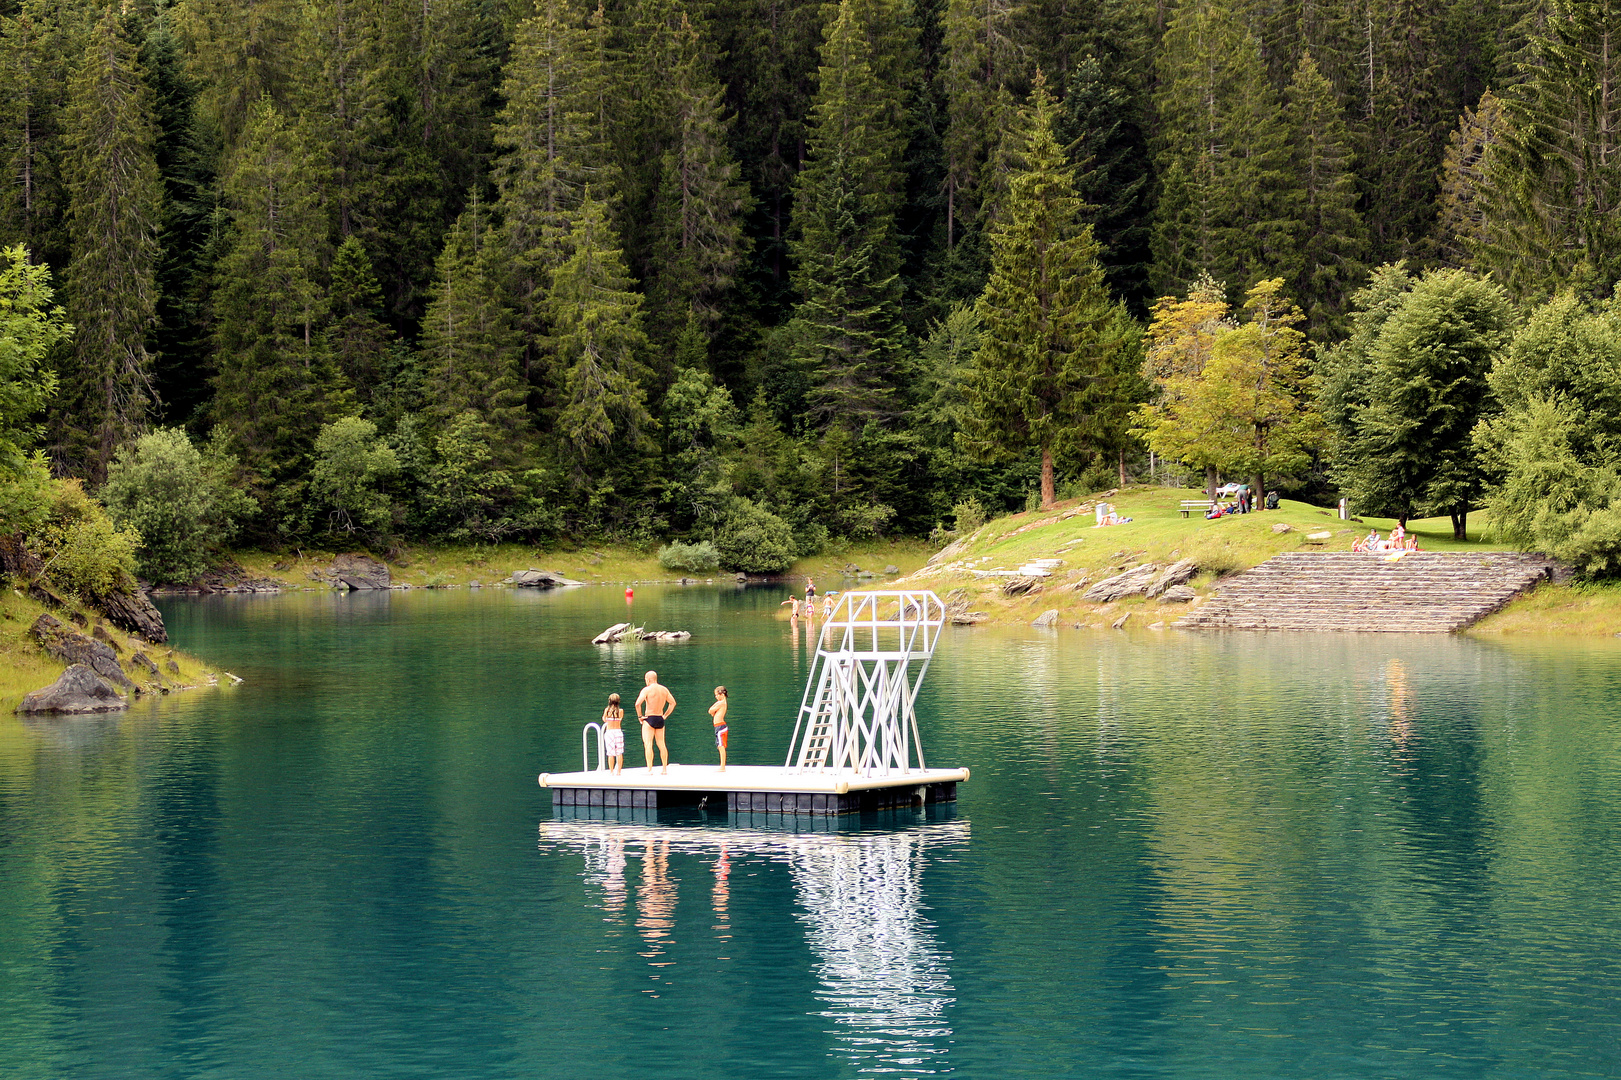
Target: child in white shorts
613 736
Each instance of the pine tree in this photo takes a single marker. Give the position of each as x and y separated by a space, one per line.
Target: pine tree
1404 103
1461 228
470 347
846 248
1322 197
597 338
1224 154
435 74
357 340
275 386
339 84
771 50
40 44
1043 378
185 162
240 53
1557 177
113 217
551 149
698 215
1099 126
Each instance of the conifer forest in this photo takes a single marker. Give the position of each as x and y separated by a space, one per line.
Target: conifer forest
772 273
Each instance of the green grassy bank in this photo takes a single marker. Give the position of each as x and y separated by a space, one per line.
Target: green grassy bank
456 566
1159 533
25 667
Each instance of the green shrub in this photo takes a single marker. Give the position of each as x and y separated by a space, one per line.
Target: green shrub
699 558
351 464
969 515
85 553
754 540
178 498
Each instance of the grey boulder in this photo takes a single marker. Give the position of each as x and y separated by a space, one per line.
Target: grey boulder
1046 618
360 572
79 690
72 647
540 579
1178 573
1133 581
1177 594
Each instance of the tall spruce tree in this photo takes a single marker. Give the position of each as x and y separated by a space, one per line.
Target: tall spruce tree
551 146
1100 126
356 339
1321 196
1557 174
470 347
1462 230
275 385
697 220
1223 155
597 339
114 212
770 49
846 248
41 41
240 54
339 92
1043 379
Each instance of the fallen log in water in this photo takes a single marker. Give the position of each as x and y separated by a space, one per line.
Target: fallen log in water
625 632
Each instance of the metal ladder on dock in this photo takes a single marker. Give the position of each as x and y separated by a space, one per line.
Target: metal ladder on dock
817 717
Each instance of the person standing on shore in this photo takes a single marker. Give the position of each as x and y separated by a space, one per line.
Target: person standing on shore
653 707
717 714
810 590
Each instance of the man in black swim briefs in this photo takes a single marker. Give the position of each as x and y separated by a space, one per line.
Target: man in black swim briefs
653 707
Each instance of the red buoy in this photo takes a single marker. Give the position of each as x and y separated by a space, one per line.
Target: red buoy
630 593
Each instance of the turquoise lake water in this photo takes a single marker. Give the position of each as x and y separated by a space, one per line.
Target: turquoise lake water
1212 856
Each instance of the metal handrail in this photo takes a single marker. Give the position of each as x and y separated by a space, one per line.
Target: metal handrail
585 748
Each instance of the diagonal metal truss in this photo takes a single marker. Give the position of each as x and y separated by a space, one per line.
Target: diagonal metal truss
858 713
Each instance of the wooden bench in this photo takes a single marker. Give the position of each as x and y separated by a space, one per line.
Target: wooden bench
1201 505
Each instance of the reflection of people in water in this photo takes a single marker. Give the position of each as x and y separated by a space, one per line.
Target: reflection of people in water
655 897
613 881
1401 698
722 896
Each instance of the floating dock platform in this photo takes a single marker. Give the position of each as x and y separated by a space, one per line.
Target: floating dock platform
771 789
855 745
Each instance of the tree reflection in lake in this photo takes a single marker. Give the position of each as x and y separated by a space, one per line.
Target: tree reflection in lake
883 978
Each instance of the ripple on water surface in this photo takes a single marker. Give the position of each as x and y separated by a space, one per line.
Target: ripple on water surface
1179 855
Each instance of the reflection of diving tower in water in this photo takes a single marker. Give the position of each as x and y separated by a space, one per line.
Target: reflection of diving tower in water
884 981
859 714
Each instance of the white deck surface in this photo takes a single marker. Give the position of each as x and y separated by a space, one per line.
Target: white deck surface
746 778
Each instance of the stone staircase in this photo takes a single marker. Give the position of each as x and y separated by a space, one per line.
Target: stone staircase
1419 593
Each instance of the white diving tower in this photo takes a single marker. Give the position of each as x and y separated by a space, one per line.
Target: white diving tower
859 712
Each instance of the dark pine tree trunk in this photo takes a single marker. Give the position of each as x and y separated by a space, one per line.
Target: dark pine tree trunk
1460 524
1049 490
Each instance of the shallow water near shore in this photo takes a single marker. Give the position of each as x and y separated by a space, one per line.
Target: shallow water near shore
1226 856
